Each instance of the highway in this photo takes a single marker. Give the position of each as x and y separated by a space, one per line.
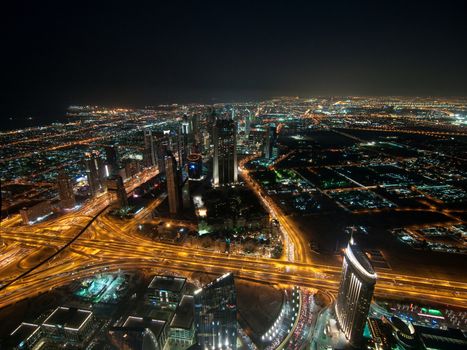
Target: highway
86 242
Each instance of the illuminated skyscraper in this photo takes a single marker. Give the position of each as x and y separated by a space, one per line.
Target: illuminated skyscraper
162 144
149 155
355 293
269 141
173 184
225 152
65 191
195 128
247 124
216 314
94 172
186 127
182 141
186 197
112 160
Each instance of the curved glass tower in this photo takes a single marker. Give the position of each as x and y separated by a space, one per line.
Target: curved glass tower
355 293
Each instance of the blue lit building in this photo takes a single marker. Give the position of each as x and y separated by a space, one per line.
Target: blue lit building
195 166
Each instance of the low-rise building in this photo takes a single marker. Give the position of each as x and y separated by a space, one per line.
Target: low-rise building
69 325
166 291
182 330
25 336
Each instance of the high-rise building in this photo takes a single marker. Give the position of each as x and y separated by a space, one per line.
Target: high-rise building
173 184
149 155
195 128
181 147
112 160
65 191
116 188
225 152
206 142
186 196
195 166
95 172
247 124
186 127
355 293
216 314
269 141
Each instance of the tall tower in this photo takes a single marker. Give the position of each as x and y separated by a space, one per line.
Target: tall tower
248 124
225 152
94 171
183 136
195 128
65 191
216 314
149 155
173 184
355 293
269 141
112 160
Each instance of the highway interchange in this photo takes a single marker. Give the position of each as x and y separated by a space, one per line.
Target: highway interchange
88 241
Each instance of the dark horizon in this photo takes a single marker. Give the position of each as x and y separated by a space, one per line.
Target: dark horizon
60 54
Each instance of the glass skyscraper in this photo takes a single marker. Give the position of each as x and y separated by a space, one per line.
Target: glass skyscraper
216 314
225 152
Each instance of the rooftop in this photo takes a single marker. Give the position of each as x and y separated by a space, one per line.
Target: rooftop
23 332
184 315
359 260
69 318
135 322
168 283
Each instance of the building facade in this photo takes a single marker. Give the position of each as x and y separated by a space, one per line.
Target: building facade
65 191
225 152
173 184
149 155
355 293
95 172
111 160
269 141
216 314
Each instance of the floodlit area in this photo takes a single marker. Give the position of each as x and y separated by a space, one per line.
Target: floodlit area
102 288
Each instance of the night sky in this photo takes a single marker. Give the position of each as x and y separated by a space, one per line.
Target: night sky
130 54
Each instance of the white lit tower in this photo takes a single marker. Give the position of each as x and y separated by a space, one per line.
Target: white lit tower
355 293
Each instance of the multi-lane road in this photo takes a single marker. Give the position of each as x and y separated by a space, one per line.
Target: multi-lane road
109 244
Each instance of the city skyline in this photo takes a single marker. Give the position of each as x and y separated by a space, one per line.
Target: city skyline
342 226
234 175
